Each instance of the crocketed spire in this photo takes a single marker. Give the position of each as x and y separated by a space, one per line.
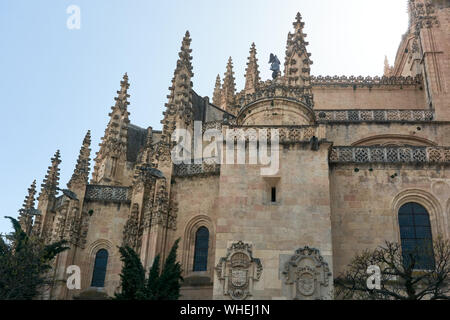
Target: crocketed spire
228 88
179 104
297 62
114 141
80 175
51 180
25 217
217 95
252 73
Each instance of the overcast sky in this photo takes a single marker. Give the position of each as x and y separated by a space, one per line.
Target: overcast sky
57 83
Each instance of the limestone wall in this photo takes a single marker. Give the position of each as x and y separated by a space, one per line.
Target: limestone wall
196 198
350 133
365 98
364 204
105 232
299 217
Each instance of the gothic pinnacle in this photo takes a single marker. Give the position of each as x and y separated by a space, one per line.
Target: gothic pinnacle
114 140
228 87
179 98
81 172
297 61
217 95
252 73
122 98
25 217
51 180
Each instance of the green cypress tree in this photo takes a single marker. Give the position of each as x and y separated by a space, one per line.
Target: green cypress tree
171 276
132 276
153 284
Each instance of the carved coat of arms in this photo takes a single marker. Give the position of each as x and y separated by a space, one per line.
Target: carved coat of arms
238 270
307 274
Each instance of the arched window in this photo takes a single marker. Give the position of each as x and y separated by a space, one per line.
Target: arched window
415 234
201 249
98 277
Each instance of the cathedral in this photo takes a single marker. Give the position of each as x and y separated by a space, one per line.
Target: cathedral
352 152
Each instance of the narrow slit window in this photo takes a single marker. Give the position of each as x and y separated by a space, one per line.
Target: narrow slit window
274 194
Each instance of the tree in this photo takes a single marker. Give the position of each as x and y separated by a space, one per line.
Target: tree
152 287
169 281
164 285
24 264
400 279
132 276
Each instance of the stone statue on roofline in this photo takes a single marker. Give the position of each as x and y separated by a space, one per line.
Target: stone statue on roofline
275 65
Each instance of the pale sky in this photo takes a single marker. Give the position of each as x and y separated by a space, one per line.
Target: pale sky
57 83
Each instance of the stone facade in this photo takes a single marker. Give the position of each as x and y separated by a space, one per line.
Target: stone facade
352 151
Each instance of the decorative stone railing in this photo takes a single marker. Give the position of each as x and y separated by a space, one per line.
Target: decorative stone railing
285 134
185 170
345 81
107 193
375 154
373 115
212 125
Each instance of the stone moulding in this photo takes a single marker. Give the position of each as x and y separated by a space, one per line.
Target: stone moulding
376 154
108 193
360 81
359 115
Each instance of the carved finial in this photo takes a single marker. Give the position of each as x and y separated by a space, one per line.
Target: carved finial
122 98
51 180
217 95
81 173
228 88
252 73
298 24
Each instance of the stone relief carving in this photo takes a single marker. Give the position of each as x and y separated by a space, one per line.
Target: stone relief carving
238 270
307 275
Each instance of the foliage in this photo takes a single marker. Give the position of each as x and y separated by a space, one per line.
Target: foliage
400 279
24 264
160 285
132 276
